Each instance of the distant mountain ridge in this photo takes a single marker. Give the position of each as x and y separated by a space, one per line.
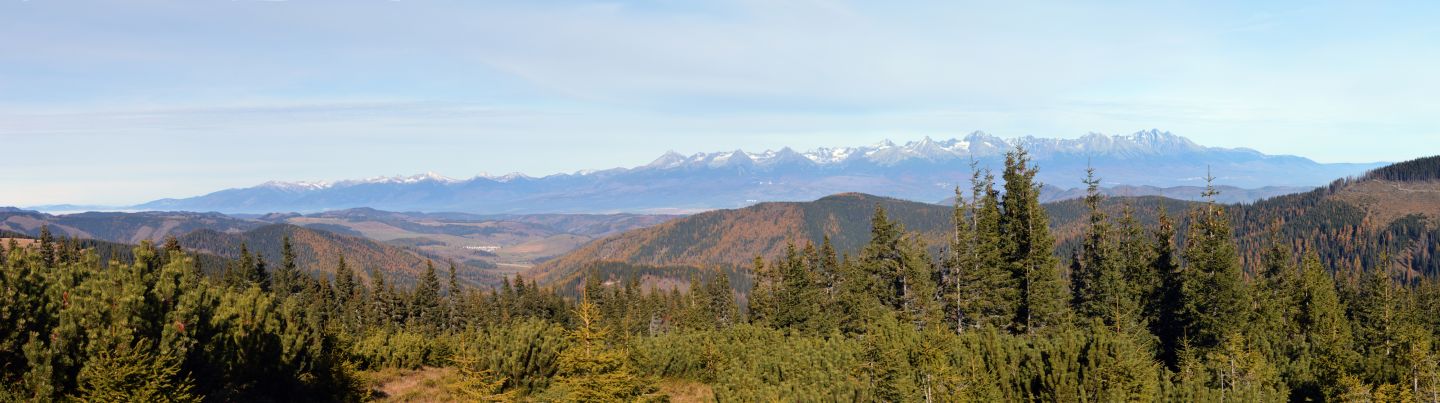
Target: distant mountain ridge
918 170
1387 218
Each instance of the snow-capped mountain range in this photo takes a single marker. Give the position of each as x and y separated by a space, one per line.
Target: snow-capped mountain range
978 144
925 170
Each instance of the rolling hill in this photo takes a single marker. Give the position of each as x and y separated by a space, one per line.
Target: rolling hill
733 238
320 251
127 228
1388 218
484 245
729 240
499 243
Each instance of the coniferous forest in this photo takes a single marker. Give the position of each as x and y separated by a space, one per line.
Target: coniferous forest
1136 312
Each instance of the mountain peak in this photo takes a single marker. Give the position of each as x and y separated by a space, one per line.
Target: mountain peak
670 159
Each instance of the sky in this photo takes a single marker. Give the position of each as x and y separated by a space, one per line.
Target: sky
121 102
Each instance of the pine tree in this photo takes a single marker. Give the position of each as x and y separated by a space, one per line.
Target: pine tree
1029 248
887 361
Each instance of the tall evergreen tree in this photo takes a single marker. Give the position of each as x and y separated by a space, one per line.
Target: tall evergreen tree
1029 248
1378 321
1167 308
47 247
797 295
454 298
984 291
1100 286
425 301
1212 286
1327 345
288 278
900 272
722 301
1272 323
1137 252
763 300
345 289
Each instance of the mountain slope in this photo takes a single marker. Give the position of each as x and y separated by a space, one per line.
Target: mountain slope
128 228
918 170
320 251
1389 217
1353 224
733 238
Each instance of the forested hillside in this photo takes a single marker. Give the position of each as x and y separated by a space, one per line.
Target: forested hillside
1162 312
128 228
1351 224
320 251
1388 218
732 238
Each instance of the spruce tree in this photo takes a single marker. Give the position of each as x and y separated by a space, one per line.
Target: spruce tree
984 289
899 271
288 277
1378 327
722 301
1166 309
1029 248
344 283
425 302
763 301
1212 287
260 275
1137 255
591 370
1099 284
1328 345
454 297
797 297
47 247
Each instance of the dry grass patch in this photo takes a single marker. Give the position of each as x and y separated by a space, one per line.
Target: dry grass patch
685 391
428 384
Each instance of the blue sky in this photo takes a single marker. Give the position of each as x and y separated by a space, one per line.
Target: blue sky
116 102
